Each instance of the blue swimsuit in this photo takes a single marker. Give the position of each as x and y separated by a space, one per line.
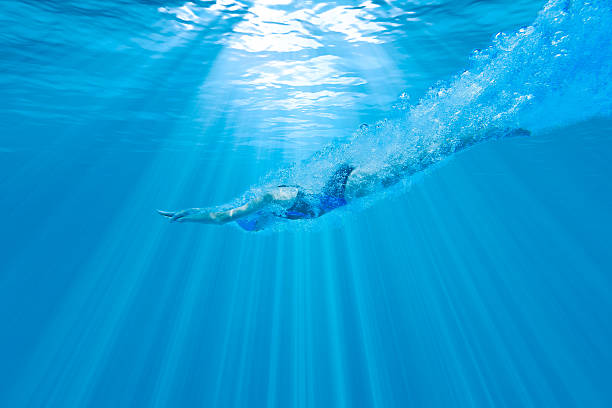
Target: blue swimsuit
311 205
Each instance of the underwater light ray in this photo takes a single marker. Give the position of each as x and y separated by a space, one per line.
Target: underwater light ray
274 350
196 285
251 299
365 321
333 297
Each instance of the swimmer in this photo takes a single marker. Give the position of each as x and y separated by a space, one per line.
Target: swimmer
347 183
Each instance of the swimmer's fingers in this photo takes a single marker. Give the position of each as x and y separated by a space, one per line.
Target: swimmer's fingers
179 216
174 215
191 214
185 215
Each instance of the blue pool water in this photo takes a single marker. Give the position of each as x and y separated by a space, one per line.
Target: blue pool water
483 281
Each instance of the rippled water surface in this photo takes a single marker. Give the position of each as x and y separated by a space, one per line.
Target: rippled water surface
275 75
484 281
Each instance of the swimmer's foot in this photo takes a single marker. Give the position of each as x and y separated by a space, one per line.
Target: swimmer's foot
518 132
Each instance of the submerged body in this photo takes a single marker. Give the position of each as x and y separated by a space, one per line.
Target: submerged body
346 184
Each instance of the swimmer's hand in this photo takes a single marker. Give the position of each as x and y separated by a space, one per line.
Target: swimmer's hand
188 215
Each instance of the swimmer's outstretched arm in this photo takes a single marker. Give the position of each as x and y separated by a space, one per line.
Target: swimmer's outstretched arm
206 216
280 195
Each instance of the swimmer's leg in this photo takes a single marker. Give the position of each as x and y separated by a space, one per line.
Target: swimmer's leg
496 133
362 182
